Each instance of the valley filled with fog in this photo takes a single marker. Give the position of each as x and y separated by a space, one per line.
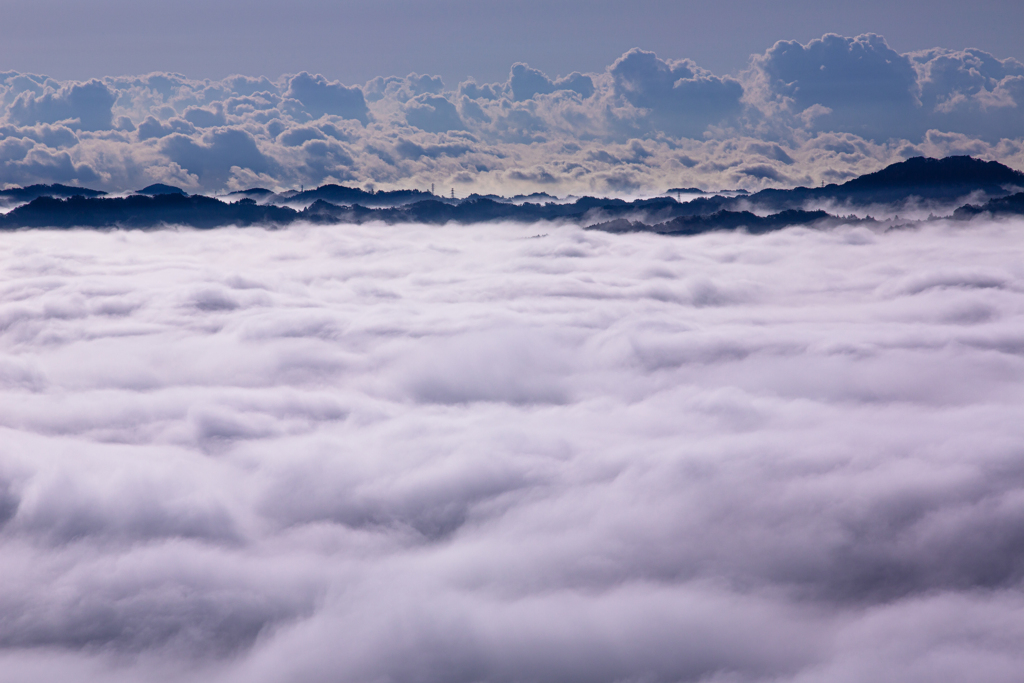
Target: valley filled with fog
512 452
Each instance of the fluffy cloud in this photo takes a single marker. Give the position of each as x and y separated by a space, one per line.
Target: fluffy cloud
801 114
499 452
212 158
86 105
526 83
860 85
39 154
403 89
682 98
971 92
319 97
433 113
151 128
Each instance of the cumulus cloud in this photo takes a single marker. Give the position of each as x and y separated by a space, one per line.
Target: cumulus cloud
501 452
826 110
858 84
433 113
151 128
206 117
971 92
403 89
526 83
863 86
475 91
212 158
682 98
320 96
84 105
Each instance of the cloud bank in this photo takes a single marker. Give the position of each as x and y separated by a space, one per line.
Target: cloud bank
827 110
507 452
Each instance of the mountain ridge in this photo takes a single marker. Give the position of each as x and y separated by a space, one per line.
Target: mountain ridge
938 179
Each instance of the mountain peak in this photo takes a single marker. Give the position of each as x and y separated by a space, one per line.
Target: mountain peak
160 188
925 171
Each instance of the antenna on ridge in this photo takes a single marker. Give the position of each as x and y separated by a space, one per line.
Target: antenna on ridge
431 188
453 193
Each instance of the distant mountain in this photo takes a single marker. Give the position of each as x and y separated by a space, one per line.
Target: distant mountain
720 220
534 197
946 179
1012 205
961 171
142 211
252 192
19 195
341 195
943 179
160 188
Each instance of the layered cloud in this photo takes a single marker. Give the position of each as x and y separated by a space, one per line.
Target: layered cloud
861 85
501 453
800 114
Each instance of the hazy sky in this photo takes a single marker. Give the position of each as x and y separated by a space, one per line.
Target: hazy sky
357 41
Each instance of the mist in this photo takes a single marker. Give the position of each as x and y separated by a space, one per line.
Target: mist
512 452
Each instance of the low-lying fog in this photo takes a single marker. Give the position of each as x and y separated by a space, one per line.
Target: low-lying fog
512 453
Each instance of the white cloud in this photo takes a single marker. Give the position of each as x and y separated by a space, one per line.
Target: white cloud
774 124
85 105
502 452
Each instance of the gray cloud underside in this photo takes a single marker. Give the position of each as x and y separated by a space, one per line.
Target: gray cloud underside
460 454
800 114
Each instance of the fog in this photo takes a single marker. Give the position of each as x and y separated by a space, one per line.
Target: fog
512 453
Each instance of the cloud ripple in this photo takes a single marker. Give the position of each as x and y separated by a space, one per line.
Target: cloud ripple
511 453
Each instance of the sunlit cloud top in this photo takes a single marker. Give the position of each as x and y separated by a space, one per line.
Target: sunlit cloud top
826 110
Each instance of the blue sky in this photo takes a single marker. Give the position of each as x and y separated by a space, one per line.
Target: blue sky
356 41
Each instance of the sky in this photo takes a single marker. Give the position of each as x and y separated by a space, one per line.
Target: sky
357 41
567 98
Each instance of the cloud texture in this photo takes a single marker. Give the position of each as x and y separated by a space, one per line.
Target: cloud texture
512 453
827 110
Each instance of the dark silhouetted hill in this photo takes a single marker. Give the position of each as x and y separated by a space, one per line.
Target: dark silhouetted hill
19 195
924 172
1012 205
159 189
946 179
143 211
165 205
252 192
720 220
341 195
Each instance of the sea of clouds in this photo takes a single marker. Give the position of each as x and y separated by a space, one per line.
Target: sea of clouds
512 453
825 111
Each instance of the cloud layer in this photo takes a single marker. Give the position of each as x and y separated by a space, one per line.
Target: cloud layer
512 453
800 114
